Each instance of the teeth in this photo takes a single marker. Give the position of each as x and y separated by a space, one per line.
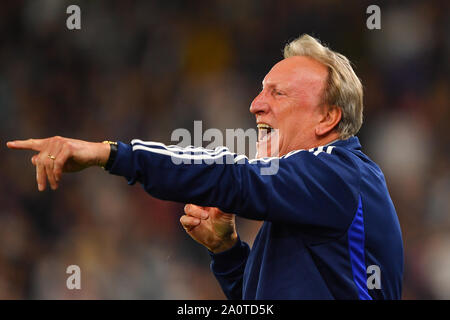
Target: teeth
263 126
264 131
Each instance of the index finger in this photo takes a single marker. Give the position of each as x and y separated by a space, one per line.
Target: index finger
30 144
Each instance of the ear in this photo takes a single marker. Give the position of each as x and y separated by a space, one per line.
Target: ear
331 116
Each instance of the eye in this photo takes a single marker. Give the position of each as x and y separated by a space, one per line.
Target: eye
278 92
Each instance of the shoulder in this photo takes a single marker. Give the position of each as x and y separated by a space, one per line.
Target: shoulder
335 158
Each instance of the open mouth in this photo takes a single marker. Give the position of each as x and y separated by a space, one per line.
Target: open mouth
264 131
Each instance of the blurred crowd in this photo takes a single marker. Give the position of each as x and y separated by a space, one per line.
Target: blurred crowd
140 69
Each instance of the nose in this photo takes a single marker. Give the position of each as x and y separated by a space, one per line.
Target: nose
259 105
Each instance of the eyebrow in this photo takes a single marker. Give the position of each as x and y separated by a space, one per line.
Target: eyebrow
275 85
270 84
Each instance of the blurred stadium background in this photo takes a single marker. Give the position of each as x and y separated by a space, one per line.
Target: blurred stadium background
140 69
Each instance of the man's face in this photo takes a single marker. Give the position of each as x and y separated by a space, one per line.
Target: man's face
290 103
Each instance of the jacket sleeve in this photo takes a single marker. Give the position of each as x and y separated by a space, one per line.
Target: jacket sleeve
228 268
317 190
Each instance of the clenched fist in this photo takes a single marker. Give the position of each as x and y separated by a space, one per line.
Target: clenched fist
210 227
57 155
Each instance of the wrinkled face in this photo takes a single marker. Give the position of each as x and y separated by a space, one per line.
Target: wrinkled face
289 103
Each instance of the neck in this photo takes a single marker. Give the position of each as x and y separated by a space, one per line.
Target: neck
322 141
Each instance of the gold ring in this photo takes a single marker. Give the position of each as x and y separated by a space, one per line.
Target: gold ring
51 157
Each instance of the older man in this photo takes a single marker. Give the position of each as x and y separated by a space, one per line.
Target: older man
330 229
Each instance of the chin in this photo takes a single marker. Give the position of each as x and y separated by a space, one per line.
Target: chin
266 149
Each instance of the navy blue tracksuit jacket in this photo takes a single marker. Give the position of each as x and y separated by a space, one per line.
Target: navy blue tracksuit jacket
329 221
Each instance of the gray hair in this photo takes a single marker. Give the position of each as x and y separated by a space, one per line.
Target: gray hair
344 89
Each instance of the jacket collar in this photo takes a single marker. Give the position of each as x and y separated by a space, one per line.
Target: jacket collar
350 143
